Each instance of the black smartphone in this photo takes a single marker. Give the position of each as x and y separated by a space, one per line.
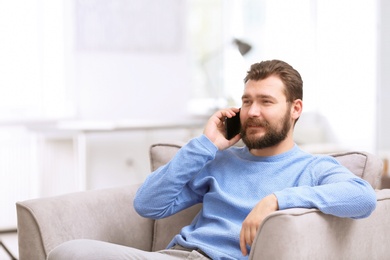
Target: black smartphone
233 126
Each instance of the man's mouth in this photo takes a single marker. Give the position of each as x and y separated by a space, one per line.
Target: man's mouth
256 125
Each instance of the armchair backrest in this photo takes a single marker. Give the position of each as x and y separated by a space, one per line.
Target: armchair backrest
363 164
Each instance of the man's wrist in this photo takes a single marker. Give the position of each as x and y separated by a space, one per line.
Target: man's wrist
273 200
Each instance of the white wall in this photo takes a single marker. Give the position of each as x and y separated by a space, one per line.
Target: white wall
121 86
347 65
128 60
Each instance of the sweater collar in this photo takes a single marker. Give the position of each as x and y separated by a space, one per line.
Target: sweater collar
245 154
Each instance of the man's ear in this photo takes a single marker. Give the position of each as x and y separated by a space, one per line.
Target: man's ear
296 109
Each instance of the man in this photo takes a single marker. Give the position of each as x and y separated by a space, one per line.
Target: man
240 186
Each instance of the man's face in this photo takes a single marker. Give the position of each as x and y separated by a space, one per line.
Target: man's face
265 113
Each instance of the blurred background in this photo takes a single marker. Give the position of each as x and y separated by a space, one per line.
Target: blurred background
86 86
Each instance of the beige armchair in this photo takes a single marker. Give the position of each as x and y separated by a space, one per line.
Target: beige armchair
108 215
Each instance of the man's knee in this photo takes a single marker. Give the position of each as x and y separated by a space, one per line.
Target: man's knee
87 249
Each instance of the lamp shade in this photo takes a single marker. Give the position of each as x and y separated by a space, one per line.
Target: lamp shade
242 46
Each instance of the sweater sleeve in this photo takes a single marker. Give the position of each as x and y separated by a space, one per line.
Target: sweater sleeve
337 192
166 191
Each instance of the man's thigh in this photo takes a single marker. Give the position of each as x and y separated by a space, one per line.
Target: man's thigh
96 250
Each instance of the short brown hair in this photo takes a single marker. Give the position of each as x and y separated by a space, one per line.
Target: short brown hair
290 77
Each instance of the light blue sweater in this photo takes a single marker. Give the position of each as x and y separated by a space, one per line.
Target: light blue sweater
231 182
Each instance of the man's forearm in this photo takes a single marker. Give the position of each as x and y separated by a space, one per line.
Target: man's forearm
354 198
166 191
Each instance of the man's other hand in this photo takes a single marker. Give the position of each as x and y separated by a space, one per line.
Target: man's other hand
253 221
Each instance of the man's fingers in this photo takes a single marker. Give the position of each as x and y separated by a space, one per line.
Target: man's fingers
247 236
243 243
252 222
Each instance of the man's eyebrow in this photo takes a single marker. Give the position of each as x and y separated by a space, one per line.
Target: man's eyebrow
260 96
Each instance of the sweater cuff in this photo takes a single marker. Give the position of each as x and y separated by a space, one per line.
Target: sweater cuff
283 200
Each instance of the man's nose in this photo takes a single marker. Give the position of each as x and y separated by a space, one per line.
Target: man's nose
254 110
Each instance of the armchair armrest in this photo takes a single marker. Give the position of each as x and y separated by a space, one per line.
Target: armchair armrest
106 215
309 234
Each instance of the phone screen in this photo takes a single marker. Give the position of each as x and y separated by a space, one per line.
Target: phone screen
233 126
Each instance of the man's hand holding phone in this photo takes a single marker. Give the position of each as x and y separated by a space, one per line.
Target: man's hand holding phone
215 128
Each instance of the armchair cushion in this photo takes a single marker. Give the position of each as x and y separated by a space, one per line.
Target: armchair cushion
365 165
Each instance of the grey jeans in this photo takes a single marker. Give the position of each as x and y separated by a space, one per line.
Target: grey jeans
87 249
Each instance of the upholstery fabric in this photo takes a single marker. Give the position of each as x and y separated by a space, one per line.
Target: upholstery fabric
105 215
364 165
309 234
162 153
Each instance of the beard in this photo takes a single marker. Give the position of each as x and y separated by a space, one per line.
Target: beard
273 134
